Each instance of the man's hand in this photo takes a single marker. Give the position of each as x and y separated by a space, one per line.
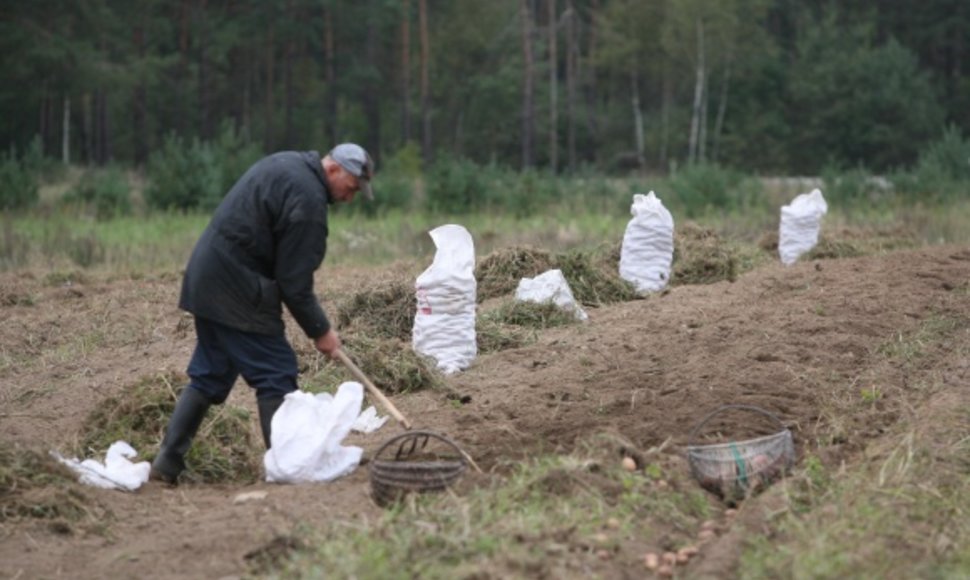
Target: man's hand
329 343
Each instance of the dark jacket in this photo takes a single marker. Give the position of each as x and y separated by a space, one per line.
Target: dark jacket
264 242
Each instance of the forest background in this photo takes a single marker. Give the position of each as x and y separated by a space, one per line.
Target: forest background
468 105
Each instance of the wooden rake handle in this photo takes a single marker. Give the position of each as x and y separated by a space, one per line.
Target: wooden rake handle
373 390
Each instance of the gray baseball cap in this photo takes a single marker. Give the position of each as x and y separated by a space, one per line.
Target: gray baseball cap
354 159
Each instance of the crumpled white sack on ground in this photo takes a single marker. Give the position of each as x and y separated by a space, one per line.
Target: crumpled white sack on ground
444 321
800 223
306 434
368 421
647 252
550 286
117 472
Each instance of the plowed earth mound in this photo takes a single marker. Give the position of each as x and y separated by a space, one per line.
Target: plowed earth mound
806 343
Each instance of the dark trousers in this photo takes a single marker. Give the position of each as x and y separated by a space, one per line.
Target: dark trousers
266 362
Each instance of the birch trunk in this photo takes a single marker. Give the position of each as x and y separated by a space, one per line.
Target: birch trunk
528 106
66 132
406 72
637 115
572 62
695 120
425 75
553 90
721 111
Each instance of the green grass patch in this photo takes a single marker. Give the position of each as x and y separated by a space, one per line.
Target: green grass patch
551 516
61 238
900 515
909 347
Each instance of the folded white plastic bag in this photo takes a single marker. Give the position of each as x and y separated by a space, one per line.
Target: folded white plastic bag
648 244
117 472
550 286
444 323
306 434
800 222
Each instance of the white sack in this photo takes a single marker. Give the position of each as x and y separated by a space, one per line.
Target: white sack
444 324
117 472
368 421
800 222
648 244
550 286
306 433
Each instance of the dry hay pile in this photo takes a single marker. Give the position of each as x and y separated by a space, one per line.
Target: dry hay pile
386 311
35 485
225 449
593 277
391 364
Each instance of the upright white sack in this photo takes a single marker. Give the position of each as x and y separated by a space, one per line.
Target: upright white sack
648 244
444 324
800 222
550 286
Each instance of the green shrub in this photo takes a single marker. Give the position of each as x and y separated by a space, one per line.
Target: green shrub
105 193
18 181
182 175
395 182
456 185
707 186
232 155
524 193
942 172
196 174
853 186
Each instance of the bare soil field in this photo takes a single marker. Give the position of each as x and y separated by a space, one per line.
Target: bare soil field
805 342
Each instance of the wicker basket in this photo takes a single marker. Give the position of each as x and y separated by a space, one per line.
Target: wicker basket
392 479
734 470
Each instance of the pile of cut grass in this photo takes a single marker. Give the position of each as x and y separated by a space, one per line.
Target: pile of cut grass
850 242
854 242
35 485
385 311
513 324
499 273
391 364
701 257
593 276
226 448
530 314
493 335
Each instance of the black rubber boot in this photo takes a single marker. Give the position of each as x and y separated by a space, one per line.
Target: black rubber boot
189 412
267 408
